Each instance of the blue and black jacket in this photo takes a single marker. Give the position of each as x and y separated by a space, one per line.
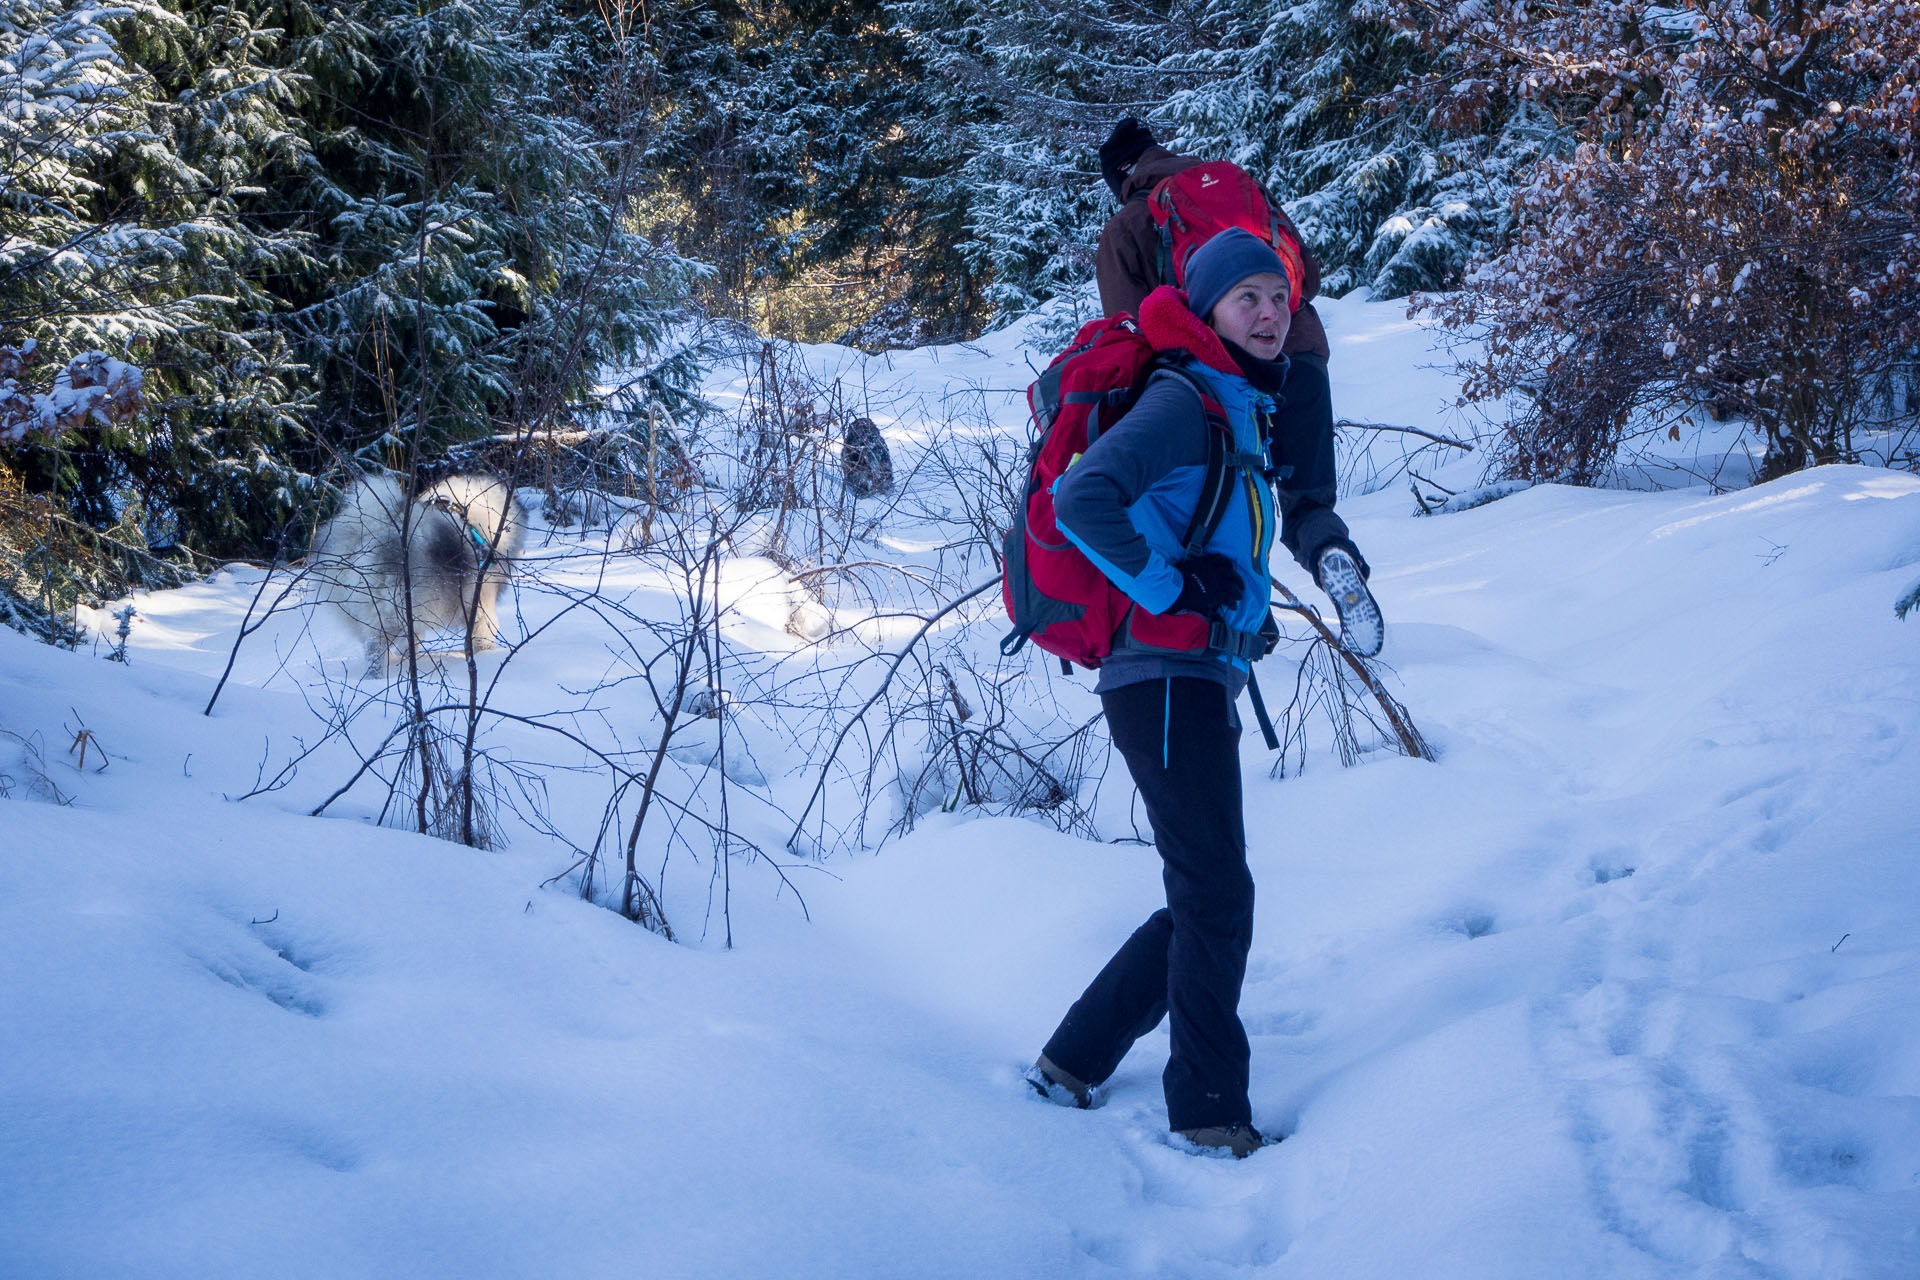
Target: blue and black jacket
1128 502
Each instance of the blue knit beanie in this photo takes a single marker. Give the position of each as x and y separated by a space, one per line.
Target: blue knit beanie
1224 262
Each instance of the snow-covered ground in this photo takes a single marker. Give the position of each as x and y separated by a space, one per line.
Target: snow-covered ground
1627 984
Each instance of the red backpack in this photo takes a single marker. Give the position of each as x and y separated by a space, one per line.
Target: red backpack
1195 205
1052 592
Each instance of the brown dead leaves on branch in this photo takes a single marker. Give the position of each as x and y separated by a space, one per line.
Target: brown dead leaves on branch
1735 226
91 390
48 560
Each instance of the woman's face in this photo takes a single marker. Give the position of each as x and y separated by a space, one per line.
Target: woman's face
1254 314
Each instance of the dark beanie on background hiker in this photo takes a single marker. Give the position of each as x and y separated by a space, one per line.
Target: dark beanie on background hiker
1122 147
1224 262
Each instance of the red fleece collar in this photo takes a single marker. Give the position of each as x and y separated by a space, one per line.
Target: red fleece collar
1170 324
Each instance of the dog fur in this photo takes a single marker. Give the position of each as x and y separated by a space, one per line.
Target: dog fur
461 539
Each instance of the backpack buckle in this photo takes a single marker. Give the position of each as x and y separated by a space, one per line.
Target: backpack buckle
1247 645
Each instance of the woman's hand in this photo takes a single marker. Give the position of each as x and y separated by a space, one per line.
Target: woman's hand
1209 585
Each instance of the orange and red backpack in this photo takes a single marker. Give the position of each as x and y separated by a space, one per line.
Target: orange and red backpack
1194 205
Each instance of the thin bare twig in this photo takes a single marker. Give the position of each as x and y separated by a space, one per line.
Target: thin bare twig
827 764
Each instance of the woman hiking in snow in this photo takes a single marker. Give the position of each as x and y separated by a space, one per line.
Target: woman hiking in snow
1171 712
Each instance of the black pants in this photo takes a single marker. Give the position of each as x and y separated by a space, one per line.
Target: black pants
1180 739
1303 456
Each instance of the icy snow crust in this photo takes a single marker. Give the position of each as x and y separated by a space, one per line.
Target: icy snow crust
1628 984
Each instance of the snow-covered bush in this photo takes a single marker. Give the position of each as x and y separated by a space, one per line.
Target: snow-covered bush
1736 227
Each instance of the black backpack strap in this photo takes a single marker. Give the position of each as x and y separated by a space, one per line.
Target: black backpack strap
1260 712
1216 487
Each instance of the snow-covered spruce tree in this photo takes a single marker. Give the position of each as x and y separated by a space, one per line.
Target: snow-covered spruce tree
855 84
1740 225
1306 96
601 290
212 465
1018 97
774 139
467 231
473 265
70 104
1313 98
118 236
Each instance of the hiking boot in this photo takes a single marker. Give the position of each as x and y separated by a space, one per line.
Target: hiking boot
1237 1140
1062 1088
1362 629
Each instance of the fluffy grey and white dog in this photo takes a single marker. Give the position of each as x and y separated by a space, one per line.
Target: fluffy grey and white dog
462 535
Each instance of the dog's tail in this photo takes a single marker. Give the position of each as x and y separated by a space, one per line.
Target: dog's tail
370 511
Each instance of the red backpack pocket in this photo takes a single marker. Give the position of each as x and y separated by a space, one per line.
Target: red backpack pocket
1194 205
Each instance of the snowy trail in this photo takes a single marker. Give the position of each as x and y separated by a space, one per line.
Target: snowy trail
1625 985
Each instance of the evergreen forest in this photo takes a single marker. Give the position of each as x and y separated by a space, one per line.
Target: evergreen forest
248 247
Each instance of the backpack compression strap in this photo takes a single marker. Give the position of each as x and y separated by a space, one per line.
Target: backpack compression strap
1216 488
1214 493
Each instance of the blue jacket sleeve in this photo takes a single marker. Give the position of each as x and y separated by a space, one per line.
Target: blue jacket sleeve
1164 430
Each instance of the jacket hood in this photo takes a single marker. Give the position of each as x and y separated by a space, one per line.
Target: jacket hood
1154 164
1170 325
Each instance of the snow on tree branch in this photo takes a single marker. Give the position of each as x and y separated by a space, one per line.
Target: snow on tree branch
92 389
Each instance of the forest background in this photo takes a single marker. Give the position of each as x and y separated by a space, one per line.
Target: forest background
248 248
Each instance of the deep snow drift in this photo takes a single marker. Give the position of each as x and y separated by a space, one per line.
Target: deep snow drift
1624 985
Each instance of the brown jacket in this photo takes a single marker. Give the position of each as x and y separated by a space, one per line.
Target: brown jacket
1128 264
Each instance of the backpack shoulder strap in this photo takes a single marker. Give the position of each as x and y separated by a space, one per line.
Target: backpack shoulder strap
1215 487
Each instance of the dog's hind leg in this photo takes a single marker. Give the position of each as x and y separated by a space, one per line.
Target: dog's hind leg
378 652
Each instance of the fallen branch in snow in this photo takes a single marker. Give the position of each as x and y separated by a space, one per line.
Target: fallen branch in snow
1411 742
1407 431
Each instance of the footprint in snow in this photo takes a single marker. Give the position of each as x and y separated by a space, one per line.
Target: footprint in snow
1211 1209
1279 1022
269 961
1470 924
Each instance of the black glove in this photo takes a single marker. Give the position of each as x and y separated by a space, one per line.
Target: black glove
1210 584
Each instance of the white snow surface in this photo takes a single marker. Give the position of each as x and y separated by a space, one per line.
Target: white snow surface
1626 984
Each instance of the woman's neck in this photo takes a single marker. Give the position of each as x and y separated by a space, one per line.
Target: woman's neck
1266 375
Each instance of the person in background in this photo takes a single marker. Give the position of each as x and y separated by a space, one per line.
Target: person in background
1302 456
